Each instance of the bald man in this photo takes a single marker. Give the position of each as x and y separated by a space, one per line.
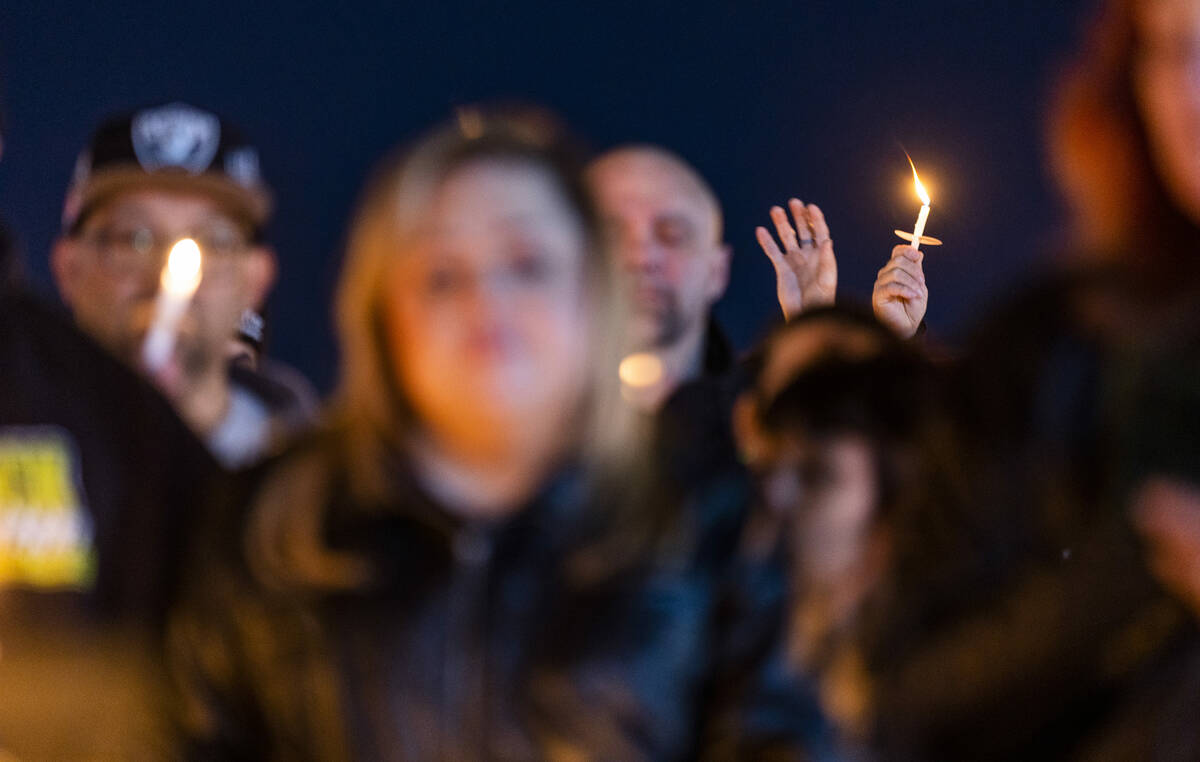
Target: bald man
668 236
669 239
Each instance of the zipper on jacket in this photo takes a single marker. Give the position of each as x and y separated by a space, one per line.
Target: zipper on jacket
464 689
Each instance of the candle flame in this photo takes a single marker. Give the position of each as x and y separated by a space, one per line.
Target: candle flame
921 193
182 273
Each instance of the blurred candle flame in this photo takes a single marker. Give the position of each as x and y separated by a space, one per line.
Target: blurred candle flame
182 274
641 370
180 279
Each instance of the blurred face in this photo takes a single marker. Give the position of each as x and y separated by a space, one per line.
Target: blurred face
109 275
1167 84
825 489
665 233
828 489
487 316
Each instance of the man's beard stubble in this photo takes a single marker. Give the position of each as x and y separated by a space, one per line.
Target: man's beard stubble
666 319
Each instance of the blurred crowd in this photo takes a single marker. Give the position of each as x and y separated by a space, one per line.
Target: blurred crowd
549 513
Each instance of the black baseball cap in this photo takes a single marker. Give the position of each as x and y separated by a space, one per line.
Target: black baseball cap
174 147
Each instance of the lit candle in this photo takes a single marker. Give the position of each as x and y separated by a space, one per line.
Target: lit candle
918 237
180 279
923 217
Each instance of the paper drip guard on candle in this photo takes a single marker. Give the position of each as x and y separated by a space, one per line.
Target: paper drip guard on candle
925 240
180 279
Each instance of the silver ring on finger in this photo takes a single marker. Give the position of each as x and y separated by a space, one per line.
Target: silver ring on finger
805 242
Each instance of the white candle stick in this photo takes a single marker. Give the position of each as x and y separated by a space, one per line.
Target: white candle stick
923 217
919 230
180 279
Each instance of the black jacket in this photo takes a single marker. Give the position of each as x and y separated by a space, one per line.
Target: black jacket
90 456
1050 638
477 641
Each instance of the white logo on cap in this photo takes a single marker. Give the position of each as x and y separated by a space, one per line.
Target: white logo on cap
242 165
177 135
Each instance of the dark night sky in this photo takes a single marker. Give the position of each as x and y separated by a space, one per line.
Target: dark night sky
767 99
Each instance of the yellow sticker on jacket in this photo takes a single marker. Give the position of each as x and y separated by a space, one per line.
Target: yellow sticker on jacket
46 534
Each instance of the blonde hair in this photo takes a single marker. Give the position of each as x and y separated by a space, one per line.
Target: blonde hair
370 409
370 418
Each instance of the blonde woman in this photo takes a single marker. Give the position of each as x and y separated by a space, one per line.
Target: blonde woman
469 563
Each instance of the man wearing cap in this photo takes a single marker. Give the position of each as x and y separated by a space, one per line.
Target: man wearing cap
146 181
99 481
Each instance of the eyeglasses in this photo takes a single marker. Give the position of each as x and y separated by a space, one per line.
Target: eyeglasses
131 250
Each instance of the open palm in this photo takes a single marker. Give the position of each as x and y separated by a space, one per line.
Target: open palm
805 268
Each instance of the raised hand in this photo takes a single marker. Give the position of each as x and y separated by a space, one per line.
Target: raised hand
900 296
806 269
